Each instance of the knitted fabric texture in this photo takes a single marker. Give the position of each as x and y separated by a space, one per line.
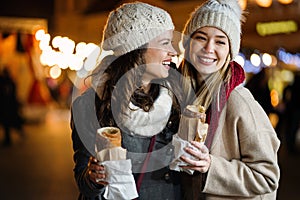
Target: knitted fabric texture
225 15
132 25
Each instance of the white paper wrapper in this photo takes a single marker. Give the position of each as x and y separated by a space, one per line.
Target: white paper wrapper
192 127
121 184
115 153
179 145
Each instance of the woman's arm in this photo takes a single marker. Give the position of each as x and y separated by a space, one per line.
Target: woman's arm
84 125
81 170
244 155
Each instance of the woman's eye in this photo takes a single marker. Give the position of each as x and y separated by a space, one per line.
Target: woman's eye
221 42
166 42
200 38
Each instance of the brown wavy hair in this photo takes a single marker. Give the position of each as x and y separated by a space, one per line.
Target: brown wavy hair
123 85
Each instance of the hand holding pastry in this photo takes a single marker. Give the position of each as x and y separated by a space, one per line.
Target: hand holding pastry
96 172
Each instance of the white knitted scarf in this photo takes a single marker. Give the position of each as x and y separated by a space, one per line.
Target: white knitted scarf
150 123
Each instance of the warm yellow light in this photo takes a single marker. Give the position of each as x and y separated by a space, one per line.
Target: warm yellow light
61 60
39 34
75 62
243 4
80 49
55 72
56 41
47 57
276 27
44 45
274 61
66 45
44 40
274 97
285 1
273 119
264 3
61 54
287 75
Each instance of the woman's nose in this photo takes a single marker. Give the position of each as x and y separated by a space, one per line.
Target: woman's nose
172 51
208 47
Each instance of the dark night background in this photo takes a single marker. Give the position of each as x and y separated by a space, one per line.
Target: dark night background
28 9
45 8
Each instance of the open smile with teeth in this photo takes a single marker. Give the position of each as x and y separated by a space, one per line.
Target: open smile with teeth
206 60
166 63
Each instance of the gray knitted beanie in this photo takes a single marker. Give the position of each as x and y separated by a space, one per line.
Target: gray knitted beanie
132 25
225 15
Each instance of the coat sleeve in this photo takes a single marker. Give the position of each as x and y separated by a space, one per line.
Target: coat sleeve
244 160
83 136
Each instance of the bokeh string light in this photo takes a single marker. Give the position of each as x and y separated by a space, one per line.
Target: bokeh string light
62 53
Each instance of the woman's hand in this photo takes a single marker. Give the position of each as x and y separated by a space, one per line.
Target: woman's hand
202 160
96 172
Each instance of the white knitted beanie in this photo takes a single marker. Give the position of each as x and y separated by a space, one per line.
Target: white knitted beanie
225 15
132 25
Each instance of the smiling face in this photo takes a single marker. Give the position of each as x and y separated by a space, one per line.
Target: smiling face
208 50
158 57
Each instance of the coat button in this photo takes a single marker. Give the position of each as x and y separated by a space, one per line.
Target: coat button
167 177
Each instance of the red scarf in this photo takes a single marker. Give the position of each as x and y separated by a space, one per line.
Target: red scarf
237 77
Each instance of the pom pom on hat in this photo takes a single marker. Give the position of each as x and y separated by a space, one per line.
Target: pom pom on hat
225 15
233 4
132 25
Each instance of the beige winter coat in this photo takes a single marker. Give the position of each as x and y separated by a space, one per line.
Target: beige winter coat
244 152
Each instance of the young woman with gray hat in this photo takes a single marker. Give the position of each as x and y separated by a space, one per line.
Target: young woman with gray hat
239 157
132 90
